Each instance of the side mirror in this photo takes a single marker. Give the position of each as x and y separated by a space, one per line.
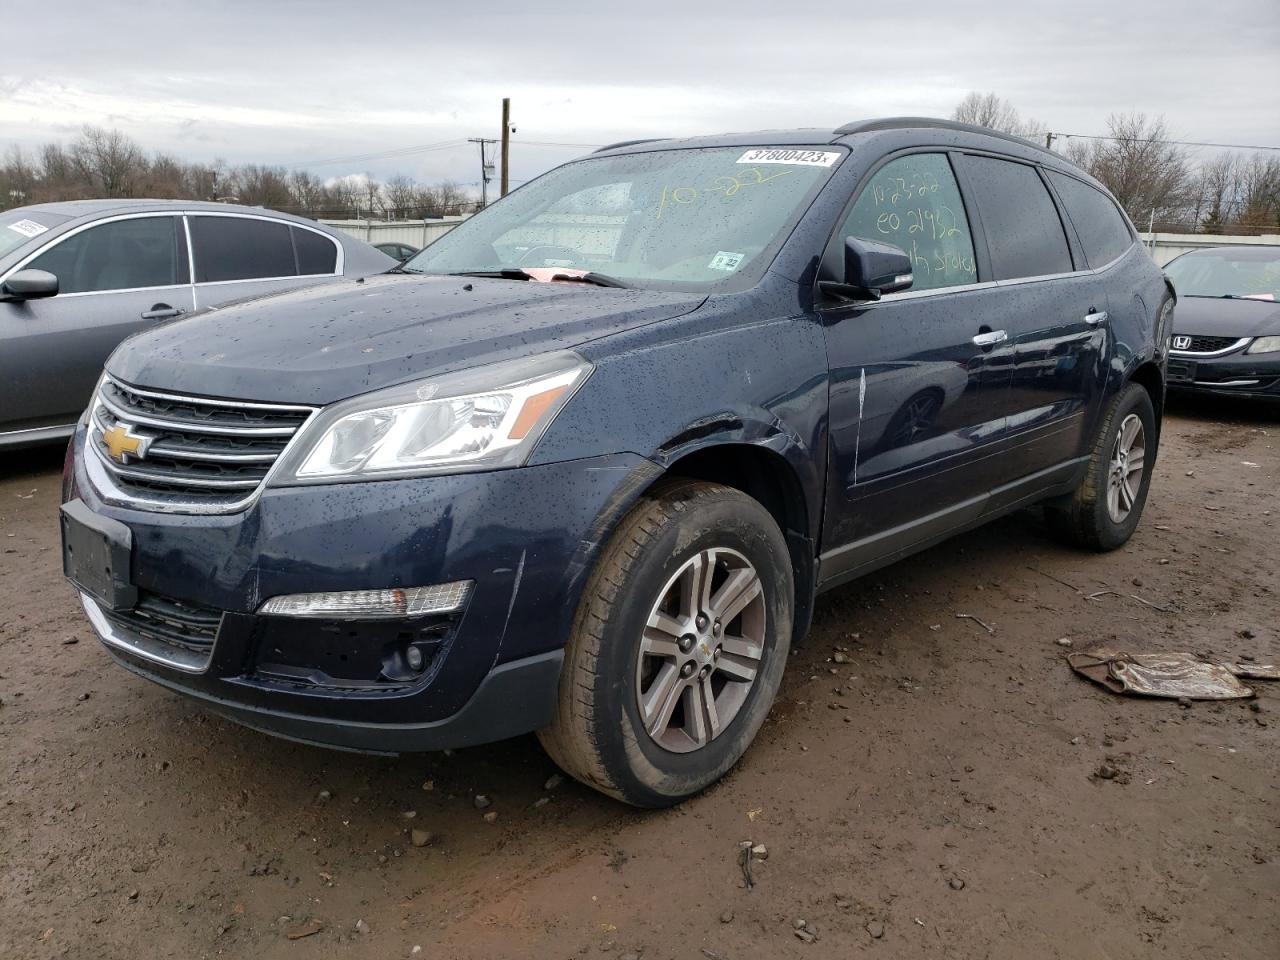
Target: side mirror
29 285
871 269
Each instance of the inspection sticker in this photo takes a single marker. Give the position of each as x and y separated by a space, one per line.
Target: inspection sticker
28 228
724 260
807 158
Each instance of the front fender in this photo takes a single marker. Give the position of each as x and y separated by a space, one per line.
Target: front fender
705 379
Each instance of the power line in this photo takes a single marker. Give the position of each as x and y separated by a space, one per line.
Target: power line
384 154
1182 143
553 143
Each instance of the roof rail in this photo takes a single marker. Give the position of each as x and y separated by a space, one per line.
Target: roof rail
899 123
630 143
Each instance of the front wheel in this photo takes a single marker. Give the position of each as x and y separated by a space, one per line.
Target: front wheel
678 647
1105 509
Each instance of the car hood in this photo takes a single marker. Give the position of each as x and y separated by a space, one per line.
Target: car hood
321 344
1215 317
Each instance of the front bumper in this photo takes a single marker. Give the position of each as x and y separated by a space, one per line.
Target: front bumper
1237 374
525 537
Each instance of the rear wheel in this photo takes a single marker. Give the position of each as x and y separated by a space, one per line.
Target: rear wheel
678 648
1105 509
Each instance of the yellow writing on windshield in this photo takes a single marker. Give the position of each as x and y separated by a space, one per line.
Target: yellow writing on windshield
729 185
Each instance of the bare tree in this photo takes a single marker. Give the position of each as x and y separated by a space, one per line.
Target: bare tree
105 163
1216 193
402 197
1150 176
993 111
108 161
1259 186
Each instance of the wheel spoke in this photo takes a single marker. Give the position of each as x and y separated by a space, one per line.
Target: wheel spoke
1113 500
1130 431
695 714
661 699
1126 495
740 589
695 584
737 668
702 720
658 643
1136 461
742 647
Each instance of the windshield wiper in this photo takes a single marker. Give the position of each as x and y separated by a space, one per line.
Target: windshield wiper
506 273
1228 296
516 273
599 279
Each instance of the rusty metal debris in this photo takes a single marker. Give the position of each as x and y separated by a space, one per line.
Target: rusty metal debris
1173 675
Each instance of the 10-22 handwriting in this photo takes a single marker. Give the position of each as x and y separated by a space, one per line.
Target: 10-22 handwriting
729 185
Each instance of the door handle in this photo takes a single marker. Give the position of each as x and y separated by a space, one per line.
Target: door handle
1095 318
990 339
161 311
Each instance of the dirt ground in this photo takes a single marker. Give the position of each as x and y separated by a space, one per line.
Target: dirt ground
937 795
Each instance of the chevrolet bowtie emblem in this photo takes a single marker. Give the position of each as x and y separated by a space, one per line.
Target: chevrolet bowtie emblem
122 443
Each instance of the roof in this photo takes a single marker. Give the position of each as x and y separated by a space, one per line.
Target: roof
841 134
102 208
1252 251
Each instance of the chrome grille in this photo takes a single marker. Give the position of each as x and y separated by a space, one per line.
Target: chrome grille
200 453
1206 344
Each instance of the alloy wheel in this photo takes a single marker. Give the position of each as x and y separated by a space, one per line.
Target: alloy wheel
700 650
1128 464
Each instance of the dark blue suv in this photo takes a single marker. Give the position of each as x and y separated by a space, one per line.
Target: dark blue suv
582 465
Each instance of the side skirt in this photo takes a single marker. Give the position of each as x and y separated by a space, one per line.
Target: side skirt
853 560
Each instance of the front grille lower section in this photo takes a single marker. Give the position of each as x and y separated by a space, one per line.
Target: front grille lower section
203 453
1207 344
175 623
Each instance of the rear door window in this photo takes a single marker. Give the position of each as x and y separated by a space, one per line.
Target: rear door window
1103 232
1024 232
120 255
316 253
241 248
913 203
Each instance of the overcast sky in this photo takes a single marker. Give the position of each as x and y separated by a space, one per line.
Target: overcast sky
298 82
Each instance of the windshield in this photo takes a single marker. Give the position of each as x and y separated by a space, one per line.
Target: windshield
666 219
1253 274
19 226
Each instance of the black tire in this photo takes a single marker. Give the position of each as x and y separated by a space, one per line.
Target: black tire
597 735
1082 518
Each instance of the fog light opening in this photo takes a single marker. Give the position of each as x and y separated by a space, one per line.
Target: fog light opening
414 658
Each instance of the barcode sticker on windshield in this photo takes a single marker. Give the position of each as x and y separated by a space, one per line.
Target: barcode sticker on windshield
807 158
724 260
28 228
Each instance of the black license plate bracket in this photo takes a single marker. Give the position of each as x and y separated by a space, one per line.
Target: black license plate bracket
96 554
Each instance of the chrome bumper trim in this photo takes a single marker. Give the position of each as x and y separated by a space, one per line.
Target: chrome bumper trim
153 650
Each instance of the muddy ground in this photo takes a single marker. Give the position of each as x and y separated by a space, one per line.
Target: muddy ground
936 796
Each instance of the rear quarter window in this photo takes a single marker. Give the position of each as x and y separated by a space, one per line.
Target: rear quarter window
1102 230
317 254
1024 232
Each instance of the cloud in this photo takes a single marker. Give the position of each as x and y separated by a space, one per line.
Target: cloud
301 82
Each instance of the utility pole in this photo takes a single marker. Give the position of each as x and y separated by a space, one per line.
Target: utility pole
506 144
1048 141
486 168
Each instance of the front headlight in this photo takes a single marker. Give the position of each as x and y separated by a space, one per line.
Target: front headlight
1264 345
482 419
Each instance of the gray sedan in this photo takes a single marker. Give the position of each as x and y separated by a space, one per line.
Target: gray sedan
76 278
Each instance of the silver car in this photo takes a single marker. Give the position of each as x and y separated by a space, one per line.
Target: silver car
78 277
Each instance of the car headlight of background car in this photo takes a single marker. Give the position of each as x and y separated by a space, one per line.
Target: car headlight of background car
1264 345
482 419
